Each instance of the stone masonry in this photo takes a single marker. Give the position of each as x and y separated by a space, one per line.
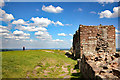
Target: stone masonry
92 39
95 49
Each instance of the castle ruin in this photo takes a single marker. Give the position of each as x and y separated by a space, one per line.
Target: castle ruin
95 48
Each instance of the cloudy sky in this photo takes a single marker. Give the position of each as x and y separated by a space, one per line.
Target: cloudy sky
52 24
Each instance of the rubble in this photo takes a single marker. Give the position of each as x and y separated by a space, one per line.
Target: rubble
95 48
116 72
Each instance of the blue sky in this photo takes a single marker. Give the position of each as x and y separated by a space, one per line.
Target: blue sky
52 24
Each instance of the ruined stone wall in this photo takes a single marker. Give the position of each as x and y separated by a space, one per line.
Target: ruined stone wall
76 44
92 39
95 46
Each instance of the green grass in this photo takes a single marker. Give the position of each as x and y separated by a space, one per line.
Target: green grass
22 64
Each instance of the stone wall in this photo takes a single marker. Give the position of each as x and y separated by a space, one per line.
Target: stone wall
92 39
94 47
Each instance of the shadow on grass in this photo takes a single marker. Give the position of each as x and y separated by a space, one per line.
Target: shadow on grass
78 75
76 67
70 56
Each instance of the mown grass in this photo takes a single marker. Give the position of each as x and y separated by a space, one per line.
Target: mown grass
35 64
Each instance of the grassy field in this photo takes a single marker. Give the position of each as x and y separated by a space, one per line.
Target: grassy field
37 64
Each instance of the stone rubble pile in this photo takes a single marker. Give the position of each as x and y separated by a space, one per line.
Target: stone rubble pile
103 65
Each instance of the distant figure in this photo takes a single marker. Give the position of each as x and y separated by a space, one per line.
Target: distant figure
23 48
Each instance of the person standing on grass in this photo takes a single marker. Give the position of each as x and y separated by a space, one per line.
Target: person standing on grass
23 48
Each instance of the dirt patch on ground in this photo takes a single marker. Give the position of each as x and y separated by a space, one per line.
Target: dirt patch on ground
48 51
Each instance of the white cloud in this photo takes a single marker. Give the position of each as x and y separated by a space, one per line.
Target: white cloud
35 28
39 33
9 36
19 21
4 30
12 43
38 25
107 1
5 17
68 24
106 14
59 23
3 27
28 28
71 40
109 14
58 40
31 40
117 31
25 34
70 34
93 12
44 22
4 34
31 28
61 34
52 9
20 35
117 35
79 9
43 35
1 12
40 29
